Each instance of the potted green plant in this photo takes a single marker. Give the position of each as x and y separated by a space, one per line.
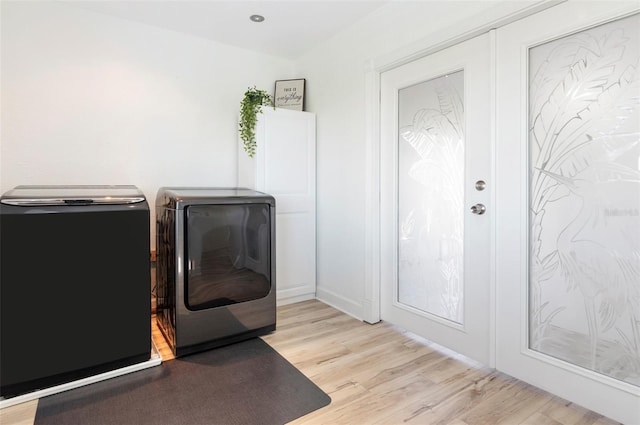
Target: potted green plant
250 107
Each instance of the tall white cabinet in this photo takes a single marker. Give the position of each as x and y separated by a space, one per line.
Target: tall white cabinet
284 166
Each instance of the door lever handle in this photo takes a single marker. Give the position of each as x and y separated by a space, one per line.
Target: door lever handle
478 209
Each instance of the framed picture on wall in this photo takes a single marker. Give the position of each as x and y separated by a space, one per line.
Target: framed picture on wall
289 94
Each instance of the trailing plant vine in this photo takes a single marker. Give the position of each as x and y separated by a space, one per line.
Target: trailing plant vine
250 107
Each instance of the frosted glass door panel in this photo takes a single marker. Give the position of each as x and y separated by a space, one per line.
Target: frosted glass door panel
431 196
584 194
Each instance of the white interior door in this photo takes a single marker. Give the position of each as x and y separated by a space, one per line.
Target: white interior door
568 202
284 166
435 166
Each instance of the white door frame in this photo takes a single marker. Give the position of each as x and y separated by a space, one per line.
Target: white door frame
496 17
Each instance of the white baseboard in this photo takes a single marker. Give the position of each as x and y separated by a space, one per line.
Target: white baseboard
284 300
339 302
295 294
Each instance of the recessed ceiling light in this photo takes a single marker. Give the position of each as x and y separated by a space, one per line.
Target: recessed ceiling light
256 18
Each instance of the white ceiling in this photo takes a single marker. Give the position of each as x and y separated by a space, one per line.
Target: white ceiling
290 27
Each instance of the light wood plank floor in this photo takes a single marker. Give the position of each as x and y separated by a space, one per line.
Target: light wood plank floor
378 374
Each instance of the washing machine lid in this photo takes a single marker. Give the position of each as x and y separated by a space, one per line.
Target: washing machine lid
73 195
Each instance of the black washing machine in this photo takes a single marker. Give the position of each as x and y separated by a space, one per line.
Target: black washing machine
75 289
215 265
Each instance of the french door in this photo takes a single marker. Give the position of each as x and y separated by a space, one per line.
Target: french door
568 202
435 196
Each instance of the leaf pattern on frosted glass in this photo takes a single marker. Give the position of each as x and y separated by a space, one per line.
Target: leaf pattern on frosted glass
574 94
557 62
584 142
602 115
436 135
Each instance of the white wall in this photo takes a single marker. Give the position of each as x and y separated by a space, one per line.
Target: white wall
336 88
91 99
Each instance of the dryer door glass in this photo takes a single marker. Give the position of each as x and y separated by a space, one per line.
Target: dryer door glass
228 258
